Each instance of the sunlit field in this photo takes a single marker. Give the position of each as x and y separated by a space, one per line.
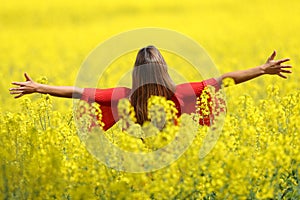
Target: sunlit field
257 155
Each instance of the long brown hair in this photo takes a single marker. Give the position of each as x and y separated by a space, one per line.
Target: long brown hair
149 77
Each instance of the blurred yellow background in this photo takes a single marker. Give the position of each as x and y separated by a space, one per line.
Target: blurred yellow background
52 38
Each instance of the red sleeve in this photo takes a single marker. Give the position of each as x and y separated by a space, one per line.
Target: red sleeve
189 92
108 100
105 96
195 88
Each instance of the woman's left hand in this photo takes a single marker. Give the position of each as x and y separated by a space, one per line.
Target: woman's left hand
27 87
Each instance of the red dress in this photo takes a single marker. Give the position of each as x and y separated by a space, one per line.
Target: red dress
185 98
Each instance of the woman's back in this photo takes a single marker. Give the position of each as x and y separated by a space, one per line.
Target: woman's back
184 97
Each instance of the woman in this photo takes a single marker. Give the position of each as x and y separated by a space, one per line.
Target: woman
150 77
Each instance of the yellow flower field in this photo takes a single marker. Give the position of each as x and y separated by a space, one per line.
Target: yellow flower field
44 156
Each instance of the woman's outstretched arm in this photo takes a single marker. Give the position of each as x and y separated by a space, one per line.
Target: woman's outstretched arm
29 86
272 66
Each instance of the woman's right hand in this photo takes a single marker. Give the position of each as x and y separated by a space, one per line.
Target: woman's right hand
27 87
274 67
